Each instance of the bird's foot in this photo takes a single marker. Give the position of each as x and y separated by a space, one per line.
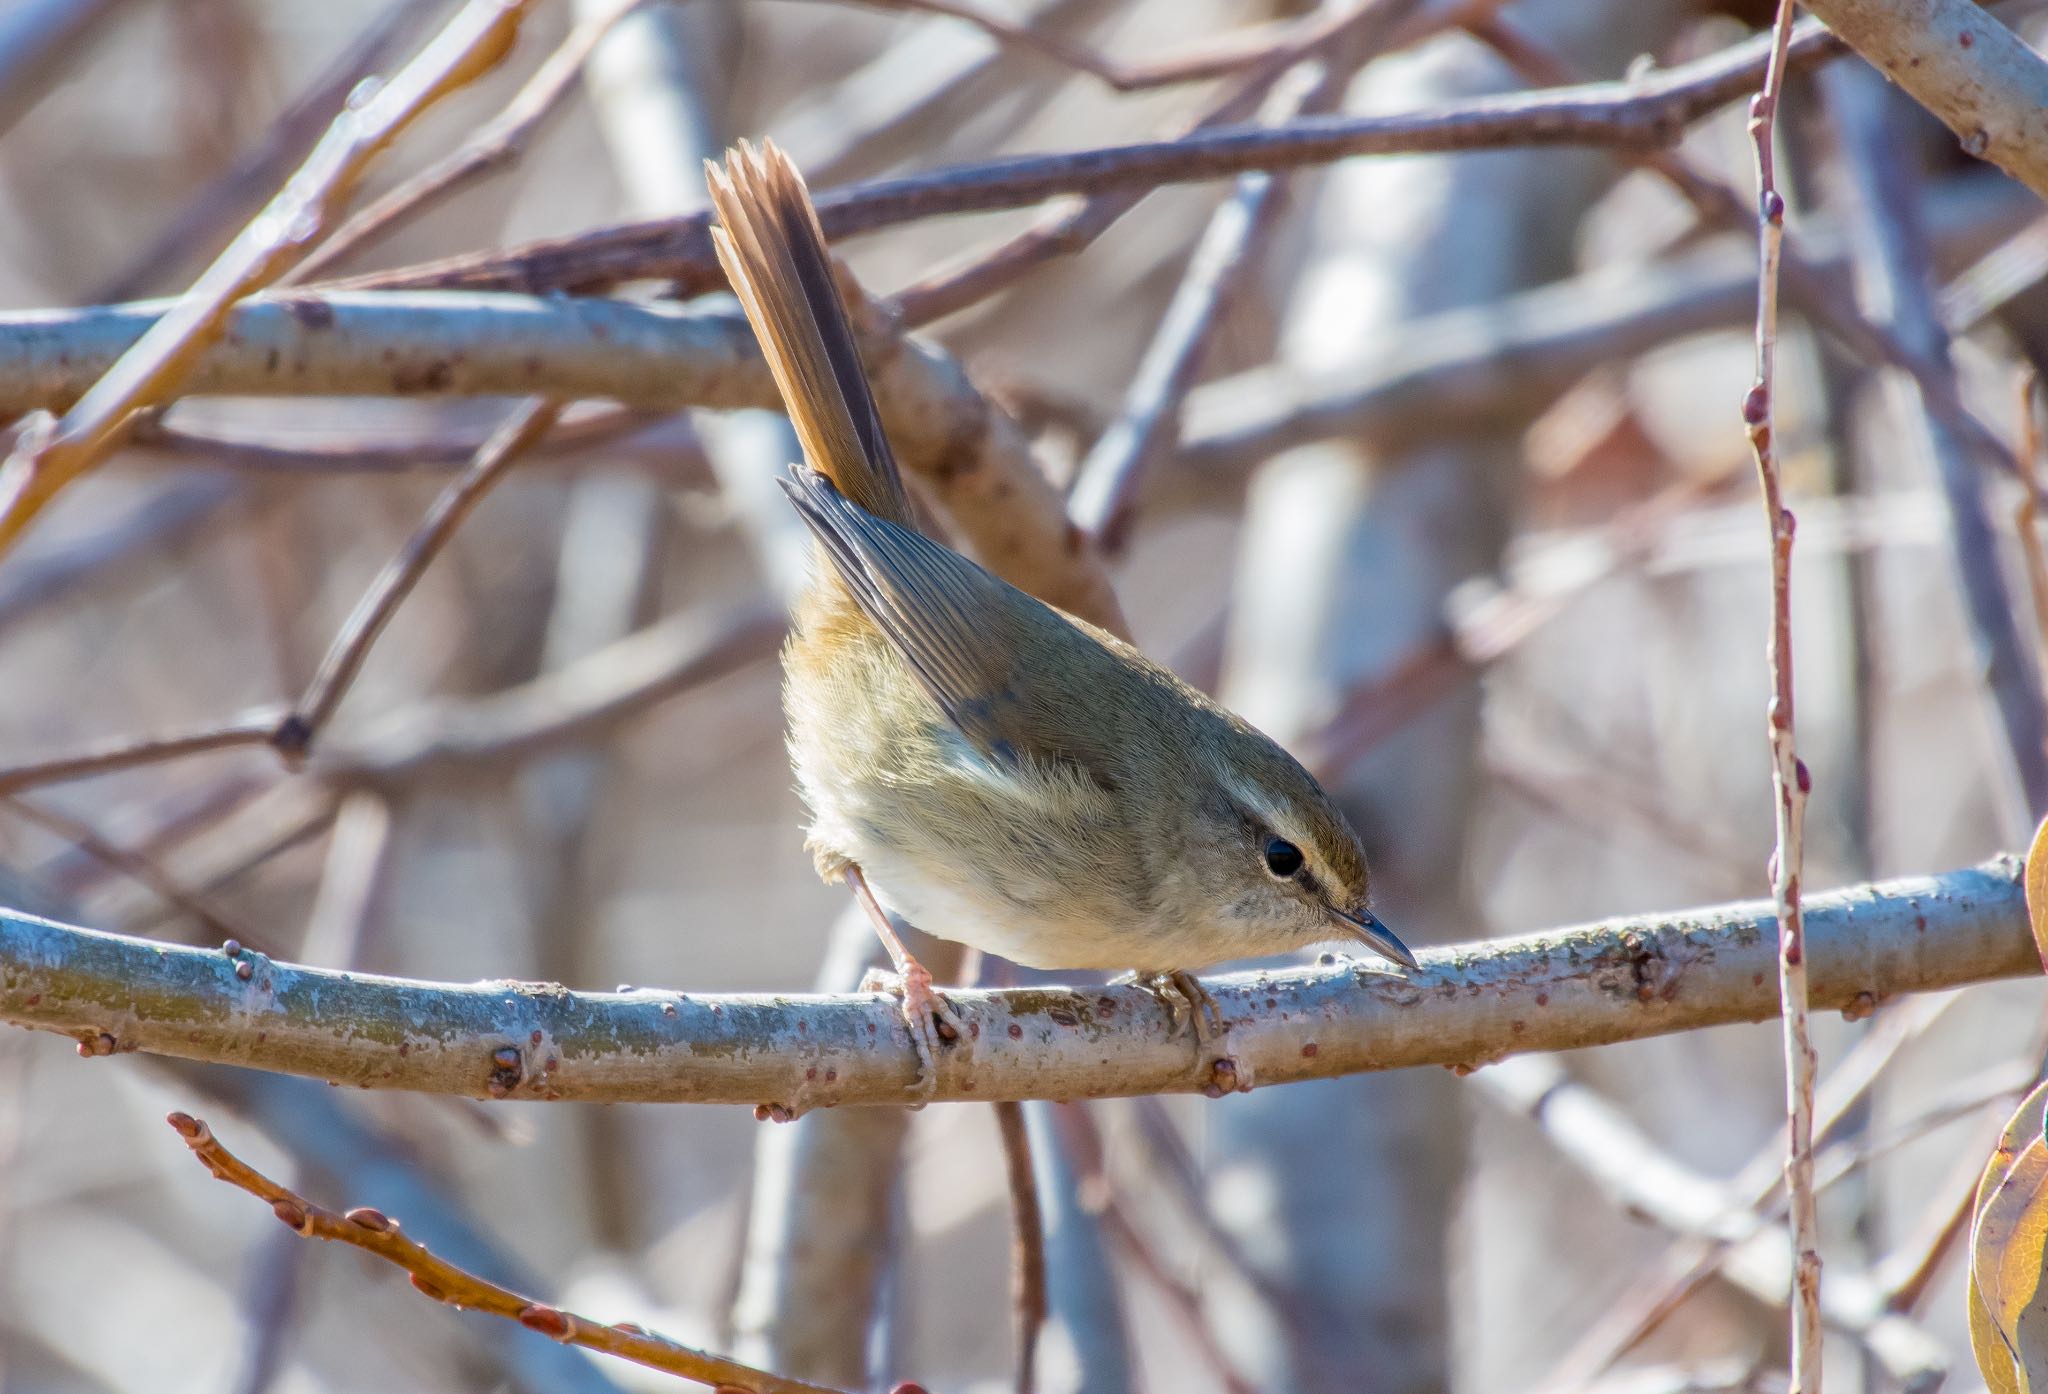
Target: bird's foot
925 1012
1188 1004
929 1019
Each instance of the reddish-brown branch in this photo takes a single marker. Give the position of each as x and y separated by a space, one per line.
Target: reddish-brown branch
1027 1244
1789 779
1065 232
2026 515
1639 113
372 1231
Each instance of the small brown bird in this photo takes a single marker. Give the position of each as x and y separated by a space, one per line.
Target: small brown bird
993 770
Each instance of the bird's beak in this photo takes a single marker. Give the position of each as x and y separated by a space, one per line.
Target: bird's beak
1366 926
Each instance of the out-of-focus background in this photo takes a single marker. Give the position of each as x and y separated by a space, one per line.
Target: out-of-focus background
1516 601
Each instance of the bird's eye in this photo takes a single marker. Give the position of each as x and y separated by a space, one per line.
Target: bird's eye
1283 858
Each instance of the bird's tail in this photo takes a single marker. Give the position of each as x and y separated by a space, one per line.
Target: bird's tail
774 254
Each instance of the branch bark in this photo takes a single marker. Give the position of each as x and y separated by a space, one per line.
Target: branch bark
968 455
1978 76
1617 980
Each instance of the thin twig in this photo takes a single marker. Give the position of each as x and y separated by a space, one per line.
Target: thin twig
2025 515
572 445
1164 1156
256 728
580 701
1083 1141
439 736
292 731
295 733
1987 284
288 814
137 867
492 146
1279 41
374 1232
1914 350
1892 262
1228 249
1638 1176
1028 38
1062 232
1027 1244
255 176
1909 1273
152 827
1637 113
1358 33
1481 634
47 459
1789 778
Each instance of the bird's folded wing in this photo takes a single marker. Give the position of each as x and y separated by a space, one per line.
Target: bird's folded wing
939 610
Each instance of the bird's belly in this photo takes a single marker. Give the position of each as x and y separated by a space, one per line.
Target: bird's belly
1021 928
1015 866
992 924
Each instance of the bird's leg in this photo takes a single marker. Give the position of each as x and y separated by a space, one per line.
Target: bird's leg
1203 1014
924 1011
1185 1000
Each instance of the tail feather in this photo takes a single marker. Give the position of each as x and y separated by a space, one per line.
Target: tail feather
774 254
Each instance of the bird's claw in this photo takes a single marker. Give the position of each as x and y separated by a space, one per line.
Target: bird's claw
1188 1004
927 1016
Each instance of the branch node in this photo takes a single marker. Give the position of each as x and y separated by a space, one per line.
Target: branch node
508 1069
293 739
552 1322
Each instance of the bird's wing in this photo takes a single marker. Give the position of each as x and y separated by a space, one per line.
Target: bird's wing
939 610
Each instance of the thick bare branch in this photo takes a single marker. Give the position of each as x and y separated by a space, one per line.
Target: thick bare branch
1619 980
973 460
1961 64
